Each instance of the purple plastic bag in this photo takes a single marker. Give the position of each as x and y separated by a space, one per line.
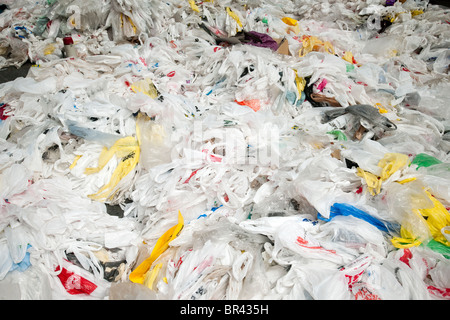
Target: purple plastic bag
260 40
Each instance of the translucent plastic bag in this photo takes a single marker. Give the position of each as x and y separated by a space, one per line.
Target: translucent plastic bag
417 204
155 140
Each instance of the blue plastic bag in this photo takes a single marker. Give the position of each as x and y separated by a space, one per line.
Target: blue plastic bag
344 209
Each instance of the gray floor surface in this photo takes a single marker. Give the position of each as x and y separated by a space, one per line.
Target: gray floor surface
11 73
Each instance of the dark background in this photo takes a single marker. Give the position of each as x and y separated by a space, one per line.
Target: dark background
441 2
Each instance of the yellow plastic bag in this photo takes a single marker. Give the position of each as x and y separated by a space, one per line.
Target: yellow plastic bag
292 25
151 276
392 162
435 218
381 108
139 275
416 12
312 43
348 56
373 181
300 83
406 239
308 43
49 49
145 86
126 148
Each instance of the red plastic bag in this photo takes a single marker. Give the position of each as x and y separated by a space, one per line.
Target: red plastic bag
74 283
253 103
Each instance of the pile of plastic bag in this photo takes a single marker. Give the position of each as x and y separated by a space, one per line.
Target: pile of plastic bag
256 150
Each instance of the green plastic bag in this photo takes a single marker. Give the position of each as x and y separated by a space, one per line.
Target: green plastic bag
425 160
338 135
439 248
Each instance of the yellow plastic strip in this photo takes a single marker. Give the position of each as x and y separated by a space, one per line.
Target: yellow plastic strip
234 16
74 163
138 275
132 25
194 6
403 243
407 180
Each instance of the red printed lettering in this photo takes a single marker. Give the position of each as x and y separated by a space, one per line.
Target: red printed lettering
304 243
406 256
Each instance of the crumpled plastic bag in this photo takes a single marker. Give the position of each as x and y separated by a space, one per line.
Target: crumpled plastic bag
180 152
